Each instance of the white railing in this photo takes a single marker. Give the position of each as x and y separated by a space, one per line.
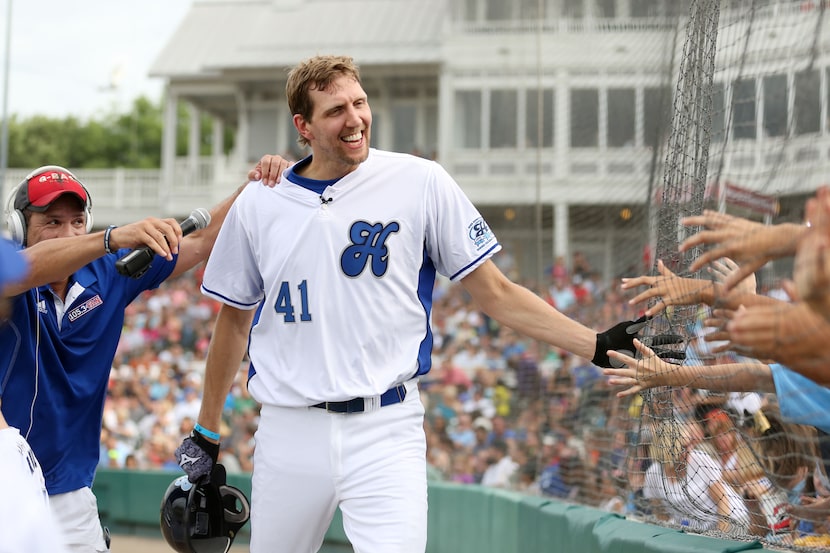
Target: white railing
498 177
567 25
121 195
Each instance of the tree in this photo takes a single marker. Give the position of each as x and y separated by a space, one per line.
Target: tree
131 140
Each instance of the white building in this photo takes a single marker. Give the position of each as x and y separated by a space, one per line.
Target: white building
547 112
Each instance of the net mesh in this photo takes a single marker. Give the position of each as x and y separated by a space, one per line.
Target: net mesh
712 452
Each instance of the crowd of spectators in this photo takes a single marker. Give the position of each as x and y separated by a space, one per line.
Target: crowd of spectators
501 410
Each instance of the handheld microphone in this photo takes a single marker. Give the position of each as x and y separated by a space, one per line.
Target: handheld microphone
136 263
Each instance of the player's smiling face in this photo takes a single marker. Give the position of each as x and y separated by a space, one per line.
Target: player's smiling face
338 130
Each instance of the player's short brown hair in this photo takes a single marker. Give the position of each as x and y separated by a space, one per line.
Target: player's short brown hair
316 73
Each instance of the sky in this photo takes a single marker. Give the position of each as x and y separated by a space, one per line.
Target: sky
84 58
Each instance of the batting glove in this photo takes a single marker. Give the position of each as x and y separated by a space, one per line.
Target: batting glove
196 455
620 337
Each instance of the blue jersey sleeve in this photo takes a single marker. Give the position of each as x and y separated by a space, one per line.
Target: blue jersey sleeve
801 400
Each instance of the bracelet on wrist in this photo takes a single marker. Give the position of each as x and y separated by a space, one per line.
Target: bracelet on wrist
107 239
206 433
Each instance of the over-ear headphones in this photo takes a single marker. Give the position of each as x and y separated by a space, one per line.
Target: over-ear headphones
18 200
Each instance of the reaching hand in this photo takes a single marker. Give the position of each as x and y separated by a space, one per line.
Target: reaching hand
269 169
790 333
196 455
812 260
621 336
669 288
639 374
749 243
723 270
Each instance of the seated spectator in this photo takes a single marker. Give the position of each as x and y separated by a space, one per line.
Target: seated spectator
557 478
501 468
687 485
461 433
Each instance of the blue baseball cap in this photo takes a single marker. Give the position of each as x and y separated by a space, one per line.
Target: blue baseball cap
13 265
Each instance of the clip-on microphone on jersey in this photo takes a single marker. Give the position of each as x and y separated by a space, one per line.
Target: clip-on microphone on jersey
136 263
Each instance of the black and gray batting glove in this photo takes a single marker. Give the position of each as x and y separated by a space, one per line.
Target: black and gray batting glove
196 456
620 337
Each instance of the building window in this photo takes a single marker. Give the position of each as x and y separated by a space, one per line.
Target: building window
605 8
775 105
645 8
676 8
504 114
469 10
584 117
404 128
467 119
573 8
537 123
718 112
498 10
743 108
531 9
621 114
431 132
807 114
656 115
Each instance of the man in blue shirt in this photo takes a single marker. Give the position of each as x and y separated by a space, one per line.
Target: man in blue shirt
26 523
65 325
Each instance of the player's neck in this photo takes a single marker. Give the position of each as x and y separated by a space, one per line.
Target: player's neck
322 170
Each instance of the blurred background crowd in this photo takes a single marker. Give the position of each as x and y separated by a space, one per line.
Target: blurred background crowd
502 410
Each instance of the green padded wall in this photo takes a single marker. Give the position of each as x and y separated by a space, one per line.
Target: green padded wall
462 519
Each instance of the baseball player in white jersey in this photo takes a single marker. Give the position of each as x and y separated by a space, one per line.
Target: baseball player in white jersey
26 523
330 277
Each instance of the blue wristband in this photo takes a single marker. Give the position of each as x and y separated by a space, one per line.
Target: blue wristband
206 433
107 239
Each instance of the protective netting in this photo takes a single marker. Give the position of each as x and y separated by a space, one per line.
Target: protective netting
712 450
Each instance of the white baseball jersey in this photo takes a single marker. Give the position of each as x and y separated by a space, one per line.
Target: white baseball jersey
26 523
345 278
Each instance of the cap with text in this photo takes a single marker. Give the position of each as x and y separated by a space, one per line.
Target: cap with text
44 187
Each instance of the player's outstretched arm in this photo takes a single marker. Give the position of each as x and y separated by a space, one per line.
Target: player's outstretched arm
520 309
749 243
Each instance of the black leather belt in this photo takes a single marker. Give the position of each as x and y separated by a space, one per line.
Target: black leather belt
359 404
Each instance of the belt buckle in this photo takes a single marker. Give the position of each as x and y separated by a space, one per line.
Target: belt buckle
371 404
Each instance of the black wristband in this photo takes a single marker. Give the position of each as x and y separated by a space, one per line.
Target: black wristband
107 239
600 358
208 447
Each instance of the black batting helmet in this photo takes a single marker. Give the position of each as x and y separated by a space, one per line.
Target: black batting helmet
203 518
